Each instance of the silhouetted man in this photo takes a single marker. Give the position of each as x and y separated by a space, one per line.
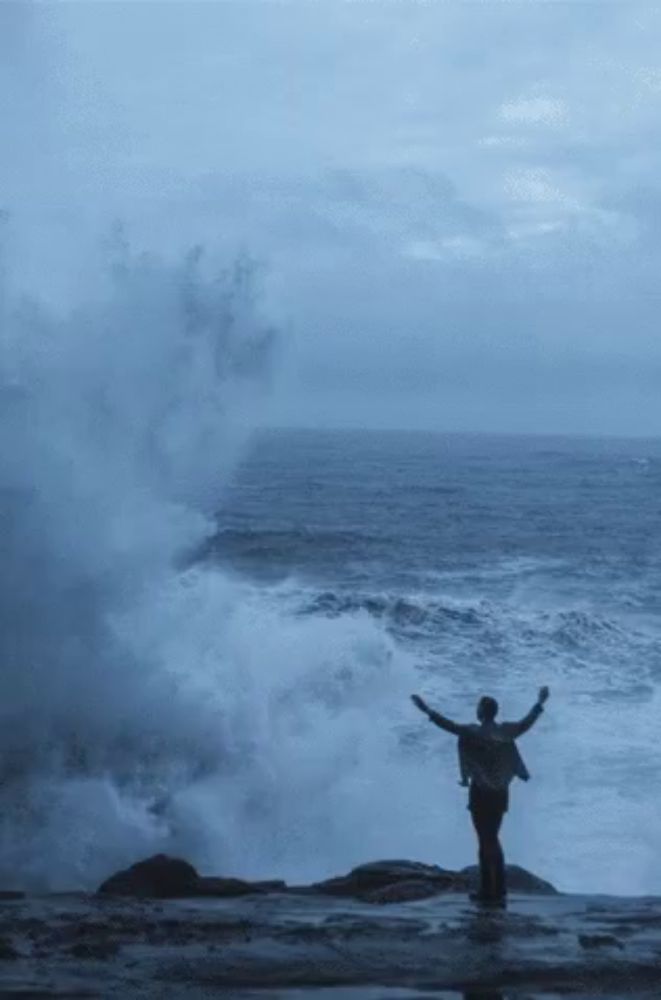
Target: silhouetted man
488 760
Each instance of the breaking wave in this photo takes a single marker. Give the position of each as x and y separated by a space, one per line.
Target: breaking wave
147 703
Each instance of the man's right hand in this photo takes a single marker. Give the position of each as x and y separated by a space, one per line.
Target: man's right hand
543 695
419 703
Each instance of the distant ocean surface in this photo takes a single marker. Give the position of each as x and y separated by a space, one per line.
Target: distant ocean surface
489 565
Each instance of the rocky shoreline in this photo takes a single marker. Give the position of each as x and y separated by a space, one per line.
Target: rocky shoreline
394 930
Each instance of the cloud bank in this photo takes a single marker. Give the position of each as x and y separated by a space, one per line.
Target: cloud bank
459 204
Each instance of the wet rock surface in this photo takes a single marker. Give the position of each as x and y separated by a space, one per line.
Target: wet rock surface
295 944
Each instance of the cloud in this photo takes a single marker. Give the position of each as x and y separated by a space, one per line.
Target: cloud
461 247
534 111
536 185
408 178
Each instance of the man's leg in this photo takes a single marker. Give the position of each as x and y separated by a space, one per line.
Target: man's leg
477 815
496 856
492 862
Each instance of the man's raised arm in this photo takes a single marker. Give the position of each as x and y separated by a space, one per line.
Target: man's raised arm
521 727
439 720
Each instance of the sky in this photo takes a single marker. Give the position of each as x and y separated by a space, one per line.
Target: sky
457 205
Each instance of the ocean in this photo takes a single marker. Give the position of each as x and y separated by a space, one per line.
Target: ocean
209 639
467 564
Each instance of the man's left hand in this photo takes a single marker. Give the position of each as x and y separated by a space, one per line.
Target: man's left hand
419 703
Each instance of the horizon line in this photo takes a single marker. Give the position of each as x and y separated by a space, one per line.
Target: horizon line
446 432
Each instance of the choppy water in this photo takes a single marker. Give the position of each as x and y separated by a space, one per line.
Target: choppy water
216 661
490 565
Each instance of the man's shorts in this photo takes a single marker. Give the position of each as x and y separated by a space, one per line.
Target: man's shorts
488 801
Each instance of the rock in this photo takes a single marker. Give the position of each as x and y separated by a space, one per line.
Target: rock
98 950
7 951
518 880
159 877
406 891
369 882
162 877
271 885
227 887
401 881
599 941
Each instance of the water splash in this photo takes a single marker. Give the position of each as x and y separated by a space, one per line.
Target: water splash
121 421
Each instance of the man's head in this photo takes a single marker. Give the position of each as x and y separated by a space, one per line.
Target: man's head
487 709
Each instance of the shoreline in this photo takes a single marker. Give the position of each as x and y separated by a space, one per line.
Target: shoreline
298 945
306 942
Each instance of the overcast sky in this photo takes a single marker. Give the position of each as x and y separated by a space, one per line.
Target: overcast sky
459 203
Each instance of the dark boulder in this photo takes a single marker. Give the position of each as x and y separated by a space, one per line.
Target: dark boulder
379 882
518 880
7 950
161 877
158 877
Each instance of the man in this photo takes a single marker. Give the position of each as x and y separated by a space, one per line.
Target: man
488 759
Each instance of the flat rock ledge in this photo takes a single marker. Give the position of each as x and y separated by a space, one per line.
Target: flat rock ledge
379 882
326 942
